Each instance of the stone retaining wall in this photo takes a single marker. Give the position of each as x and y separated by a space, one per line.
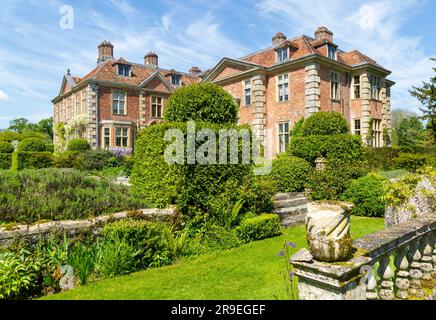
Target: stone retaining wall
31 233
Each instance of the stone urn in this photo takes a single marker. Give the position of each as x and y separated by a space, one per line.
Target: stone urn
328 230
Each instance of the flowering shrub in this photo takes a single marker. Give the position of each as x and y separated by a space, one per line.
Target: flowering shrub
121 152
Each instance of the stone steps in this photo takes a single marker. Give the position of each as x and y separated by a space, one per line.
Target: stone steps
291 211
291 207
289 196
294 220
278 204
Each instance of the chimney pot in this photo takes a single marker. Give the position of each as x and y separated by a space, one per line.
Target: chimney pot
278 38
151 59
323 33
195 71
105 51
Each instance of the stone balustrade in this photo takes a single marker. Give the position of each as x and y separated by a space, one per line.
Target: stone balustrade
397 263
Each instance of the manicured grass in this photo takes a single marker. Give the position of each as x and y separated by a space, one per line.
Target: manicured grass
250 272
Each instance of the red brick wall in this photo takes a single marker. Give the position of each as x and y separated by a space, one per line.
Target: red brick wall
105 105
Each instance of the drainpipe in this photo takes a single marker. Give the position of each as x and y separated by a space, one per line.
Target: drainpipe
347 104
97 107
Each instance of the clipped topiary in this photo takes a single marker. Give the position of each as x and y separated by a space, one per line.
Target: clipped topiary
32 145
203 102
290 173
367 195
78 145
324 123
6 147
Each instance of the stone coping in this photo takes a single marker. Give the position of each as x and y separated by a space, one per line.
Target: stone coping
8 234
369 248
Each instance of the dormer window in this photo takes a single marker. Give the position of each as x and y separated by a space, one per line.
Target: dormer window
175 80
282 54
331 52
124 70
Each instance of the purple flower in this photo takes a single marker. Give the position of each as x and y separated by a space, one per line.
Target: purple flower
281 254
291 244
291 275
120 152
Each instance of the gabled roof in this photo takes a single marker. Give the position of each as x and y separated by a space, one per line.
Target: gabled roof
229 62
159 76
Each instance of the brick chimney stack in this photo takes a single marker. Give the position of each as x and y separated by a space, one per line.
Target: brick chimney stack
105 51
278 38
195 71
323 33
151 59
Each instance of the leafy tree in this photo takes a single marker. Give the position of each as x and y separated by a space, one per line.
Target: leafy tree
427 96
46 126
410 132
20 125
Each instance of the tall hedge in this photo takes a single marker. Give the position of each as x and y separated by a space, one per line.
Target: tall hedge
200 190
290 173
324 123
337 148
32 145
33 160
204 102
5 161
6 147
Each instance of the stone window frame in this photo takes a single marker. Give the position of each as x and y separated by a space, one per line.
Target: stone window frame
283 83
122 136
377 130
357 86
357 129
335 84
244 92
125 102
280 54
156 104
108 136
84 101
284 133
375 82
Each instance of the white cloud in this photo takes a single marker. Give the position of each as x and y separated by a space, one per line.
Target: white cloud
373 28
3 96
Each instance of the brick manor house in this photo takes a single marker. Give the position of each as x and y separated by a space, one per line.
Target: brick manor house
274 87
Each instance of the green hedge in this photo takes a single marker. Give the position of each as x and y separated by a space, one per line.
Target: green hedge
410 162
78 145
367 195
210 191
6 147
32 145
324 123
59 194
290 173
33 160
334 180
338 148
147 238
387 158
5 161
260 227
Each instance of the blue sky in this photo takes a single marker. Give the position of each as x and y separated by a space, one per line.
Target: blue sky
35 51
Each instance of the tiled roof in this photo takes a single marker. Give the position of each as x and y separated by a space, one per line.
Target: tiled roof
303 46
107 71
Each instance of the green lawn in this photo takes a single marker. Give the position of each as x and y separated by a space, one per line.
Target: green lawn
250 272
